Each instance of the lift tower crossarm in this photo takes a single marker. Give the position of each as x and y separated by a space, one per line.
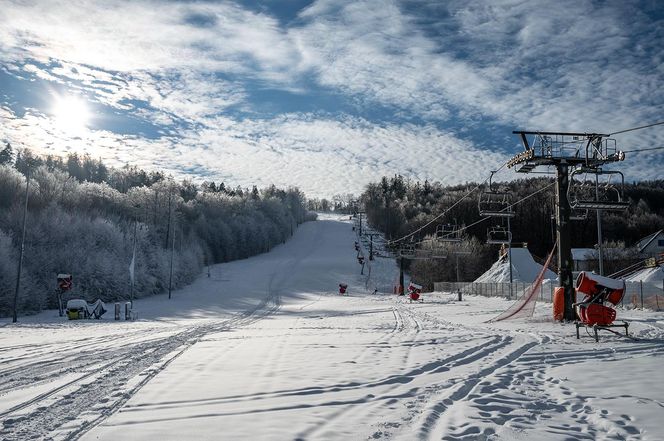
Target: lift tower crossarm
584 135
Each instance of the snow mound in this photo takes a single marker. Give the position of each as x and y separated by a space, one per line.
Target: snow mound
524 269
648 275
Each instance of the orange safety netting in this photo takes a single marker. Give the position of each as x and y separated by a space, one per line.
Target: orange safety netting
525 305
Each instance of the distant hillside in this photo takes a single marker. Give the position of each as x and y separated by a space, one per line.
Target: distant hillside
397 206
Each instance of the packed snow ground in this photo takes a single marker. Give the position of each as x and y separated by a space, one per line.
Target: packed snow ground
265 349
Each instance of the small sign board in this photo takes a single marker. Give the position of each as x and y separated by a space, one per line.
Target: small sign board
64 281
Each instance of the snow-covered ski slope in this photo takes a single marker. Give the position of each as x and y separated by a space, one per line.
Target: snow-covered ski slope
265 349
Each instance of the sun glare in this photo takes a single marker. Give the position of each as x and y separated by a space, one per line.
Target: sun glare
71 114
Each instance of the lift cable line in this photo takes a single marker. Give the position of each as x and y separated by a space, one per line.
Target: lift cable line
511 163
644 150
474 189
484 219
637 128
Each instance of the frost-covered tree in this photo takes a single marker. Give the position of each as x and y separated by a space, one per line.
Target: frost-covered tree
84 224
6 155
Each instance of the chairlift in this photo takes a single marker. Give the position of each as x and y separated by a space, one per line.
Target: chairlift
576 215
596 195
494 202
498 235
407 251
448 233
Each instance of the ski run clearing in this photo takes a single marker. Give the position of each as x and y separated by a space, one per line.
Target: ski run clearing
266 349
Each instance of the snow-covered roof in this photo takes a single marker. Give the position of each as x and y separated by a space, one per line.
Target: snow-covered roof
643 243
648 275
77 303
583 253
524 269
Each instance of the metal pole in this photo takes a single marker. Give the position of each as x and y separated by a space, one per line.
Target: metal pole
20 258
564 240
371 247
360 213
131 290
400 289
168 227
457 267
600 251
170 277
509 251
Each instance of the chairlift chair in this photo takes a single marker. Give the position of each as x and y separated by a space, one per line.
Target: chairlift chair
590 195
576 215
494 202
407 251
498 235
448 233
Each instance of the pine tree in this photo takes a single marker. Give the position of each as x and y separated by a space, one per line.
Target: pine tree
6 155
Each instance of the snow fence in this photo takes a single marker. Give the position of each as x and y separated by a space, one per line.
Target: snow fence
637 294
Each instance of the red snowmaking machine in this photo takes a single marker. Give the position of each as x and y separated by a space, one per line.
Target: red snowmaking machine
597 309
414 292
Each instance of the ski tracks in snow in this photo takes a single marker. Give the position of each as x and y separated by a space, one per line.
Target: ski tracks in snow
503 385
83 387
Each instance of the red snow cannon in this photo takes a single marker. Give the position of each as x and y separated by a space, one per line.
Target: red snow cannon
342 288
414 292
601 294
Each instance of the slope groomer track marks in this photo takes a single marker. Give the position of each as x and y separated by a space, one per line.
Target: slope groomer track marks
110 384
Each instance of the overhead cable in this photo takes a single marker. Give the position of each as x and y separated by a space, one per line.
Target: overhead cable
508 207
637 128
447 210
643 150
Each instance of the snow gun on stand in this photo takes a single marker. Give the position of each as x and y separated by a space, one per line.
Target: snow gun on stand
597 309
414 292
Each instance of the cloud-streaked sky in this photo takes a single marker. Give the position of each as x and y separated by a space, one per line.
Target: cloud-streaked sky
328 95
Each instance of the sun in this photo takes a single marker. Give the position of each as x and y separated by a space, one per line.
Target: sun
70 113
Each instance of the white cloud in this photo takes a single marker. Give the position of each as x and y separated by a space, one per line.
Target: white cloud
537 64
458 64
144 35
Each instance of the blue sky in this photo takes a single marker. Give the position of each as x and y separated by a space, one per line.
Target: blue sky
328 95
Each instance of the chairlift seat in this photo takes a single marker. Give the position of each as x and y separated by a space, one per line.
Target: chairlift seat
599 205
495 203
590 195
448 233
498 235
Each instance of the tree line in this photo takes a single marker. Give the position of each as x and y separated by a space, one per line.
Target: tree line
84 217
397 206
